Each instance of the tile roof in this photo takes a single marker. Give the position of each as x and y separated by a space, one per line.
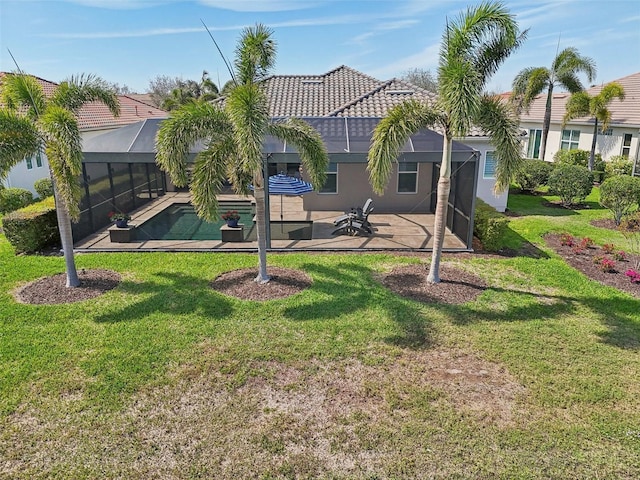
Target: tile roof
96 116
626 112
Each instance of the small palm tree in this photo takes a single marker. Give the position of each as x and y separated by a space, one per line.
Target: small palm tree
472 48
531 82
233 134
31 123
581 104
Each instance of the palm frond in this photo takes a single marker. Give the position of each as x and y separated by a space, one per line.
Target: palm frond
392 133
79 90
19 138
23 91
569 60
248 112
64 153
308 142
460 88
255 54
578 105
209 174
501 122
185 126
570 81
612 91
528 84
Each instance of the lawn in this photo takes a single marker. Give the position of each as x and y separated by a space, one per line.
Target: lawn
165 378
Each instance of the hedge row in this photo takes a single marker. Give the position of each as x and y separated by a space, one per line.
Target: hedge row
33 228
489 226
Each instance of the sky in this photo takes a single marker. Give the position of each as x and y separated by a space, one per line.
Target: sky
130 42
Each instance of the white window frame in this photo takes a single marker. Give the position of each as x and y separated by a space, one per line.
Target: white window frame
626 146
572 143
412 172
533 133
328 172
488 153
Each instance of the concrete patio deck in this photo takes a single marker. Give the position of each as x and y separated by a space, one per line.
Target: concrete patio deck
390 231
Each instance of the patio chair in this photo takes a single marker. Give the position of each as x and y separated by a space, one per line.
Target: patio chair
360 214
353 227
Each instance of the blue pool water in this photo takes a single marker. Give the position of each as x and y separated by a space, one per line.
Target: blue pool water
180 222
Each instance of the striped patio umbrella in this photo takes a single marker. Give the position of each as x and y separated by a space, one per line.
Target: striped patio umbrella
282 184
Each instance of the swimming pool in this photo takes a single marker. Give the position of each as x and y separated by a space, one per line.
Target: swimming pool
180 222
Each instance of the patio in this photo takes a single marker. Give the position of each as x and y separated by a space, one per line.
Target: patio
402 231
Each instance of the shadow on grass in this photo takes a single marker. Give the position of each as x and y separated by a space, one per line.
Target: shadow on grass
347 288
178 294
515 245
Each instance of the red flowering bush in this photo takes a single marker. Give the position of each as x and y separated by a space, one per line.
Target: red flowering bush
633 276
607 265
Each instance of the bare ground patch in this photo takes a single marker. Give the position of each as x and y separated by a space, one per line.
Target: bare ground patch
52 290
240 284
344 418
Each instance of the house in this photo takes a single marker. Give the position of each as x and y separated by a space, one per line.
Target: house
93 119
347 93
621 138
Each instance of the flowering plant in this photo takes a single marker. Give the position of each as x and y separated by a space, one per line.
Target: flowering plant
231 215
633 276
619 255
607 265
114 216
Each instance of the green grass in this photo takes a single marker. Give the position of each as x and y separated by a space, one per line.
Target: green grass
164 377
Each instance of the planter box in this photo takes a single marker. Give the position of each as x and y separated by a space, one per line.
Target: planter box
232 234
122 235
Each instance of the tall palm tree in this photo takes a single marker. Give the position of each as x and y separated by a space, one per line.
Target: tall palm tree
581 104
531 82
31 123
473 47
233 134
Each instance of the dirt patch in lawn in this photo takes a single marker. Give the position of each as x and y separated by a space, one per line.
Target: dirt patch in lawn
52 290
456 286
585 260
607 223
240 284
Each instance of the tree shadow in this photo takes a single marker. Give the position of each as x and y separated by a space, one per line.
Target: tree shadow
347 288
184 294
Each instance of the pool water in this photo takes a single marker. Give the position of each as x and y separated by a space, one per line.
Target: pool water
180 222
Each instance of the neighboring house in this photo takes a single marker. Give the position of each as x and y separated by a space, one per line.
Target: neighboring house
93 119
621 138
345 92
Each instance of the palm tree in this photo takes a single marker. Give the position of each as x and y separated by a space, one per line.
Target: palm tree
233 134
189 91
473 47
531 82
31 123
581 104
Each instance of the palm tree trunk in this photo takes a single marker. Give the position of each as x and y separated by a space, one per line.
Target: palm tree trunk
444 187
66 237
592 155
261 228
547 121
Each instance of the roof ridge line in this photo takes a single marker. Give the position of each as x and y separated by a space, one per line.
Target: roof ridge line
342 108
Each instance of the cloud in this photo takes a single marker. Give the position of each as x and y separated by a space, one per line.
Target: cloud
261 5
120 4
133 34
426 59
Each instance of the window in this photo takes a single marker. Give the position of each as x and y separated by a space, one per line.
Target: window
331 185
408 177
626 145
570 139
535 136
29 163
489 165
38 160
608 132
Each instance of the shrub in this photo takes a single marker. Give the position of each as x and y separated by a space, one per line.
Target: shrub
633 275
607 265
33 228
14 198
43 187
630 229
619 255
533 174
618 165
620 194
567 240
489 225
608 247
572 183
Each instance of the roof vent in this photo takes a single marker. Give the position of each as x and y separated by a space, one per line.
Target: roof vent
312 81
400 92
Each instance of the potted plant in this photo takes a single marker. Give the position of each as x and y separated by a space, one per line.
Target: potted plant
231 217
120 218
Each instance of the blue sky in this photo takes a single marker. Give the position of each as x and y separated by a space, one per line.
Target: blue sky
132 41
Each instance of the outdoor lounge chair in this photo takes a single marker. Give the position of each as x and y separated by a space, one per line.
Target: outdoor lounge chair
353 227
358 214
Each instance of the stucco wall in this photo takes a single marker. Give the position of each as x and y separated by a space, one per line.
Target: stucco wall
354 189
486 184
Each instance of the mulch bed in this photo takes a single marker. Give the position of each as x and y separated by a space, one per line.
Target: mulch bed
456 285
240 283
52 290
583 262
604 223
